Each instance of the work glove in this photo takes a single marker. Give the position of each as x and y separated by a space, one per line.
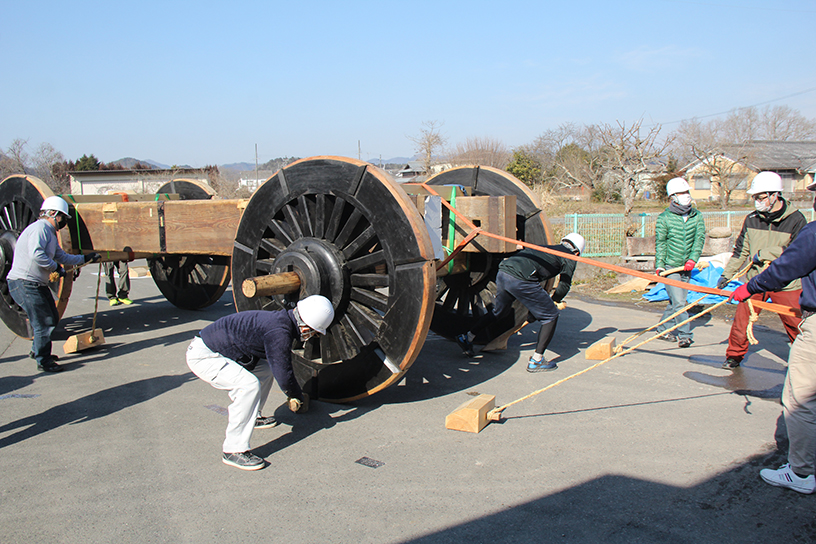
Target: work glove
740 293
689 266
561 305
659 271
92 257
722 282
757 260
297 405
60 271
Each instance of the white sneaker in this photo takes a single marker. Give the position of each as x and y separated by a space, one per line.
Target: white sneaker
785 477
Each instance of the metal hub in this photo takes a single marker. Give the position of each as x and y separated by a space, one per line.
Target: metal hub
321 268
8 240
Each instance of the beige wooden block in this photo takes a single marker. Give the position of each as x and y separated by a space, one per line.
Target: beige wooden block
471 417
600 350
84 340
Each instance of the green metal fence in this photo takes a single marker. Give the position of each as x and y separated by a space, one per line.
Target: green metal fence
605 233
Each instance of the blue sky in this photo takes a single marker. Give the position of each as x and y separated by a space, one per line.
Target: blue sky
203 82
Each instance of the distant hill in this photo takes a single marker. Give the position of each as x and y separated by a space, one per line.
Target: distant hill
395 160
130 162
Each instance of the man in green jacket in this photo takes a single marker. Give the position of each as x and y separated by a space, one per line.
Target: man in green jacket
679 238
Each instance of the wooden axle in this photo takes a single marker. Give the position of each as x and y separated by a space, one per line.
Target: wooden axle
289 282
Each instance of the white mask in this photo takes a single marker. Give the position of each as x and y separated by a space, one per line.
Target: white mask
683 200
762 205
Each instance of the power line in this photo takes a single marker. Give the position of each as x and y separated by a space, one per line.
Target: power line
741 107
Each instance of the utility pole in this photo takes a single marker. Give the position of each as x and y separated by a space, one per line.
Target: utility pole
359 157
256 167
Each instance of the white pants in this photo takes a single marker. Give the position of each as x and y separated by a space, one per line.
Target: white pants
247 390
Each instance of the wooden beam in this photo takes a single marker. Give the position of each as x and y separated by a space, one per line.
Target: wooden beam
273 284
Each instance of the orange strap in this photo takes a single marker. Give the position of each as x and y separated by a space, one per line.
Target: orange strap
476 231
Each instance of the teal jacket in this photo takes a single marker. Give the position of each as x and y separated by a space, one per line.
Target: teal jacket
677 241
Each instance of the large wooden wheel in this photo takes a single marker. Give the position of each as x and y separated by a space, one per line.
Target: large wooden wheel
190 282
351 234
20 200
462 298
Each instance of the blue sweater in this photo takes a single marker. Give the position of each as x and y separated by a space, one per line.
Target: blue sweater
798 260
260 334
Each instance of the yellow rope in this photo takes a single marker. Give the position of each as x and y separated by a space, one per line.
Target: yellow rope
495 414
749 332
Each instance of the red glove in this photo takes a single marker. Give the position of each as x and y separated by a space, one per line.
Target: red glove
689 265
741 293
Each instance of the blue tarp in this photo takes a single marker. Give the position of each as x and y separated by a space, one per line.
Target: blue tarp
707 277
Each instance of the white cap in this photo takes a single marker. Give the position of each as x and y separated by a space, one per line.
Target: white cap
55 203
765 182
317 312
576 240
677 185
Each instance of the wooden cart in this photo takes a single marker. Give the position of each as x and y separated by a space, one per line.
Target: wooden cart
333 226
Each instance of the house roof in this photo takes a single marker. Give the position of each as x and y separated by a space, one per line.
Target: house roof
776 156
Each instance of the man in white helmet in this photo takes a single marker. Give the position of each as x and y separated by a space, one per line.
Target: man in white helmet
679 239
520 277
765 233
36 255
242 353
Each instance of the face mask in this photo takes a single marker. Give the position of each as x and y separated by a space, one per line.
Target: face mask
762 206
61 221
683 200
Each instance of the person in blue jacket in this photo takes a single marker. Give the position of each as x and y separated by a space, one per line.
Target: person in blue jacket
242 353
799 391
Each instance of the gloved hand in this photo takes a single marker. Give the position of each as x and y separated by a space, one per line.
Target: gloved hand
689 266
93 256
561 305
60 271
299 406
741 293
722 282
659 271
757 260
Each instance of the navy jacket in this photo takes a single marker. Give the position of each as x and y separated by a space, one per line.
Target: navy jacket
533 265
258 334
797 261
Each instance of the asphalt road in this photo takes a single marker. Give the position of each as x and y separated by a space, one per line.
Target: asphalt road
660 445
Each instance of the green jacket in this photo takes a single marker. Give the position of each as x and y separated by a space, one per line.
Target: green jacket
676 240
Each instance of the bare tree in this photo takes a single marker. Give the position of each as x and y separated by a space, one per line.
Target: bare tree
428 142
480 151
629 157
14 160
570 156
48 165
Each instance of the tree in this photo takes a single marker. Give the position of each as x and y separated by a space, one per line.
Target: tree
525 166
430 140
570 156
480 151
86 163
629 156
46 165
14 160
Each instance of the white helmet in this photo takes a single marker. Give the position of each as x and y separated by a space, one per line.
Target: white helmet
677 185
576 240
317 312
765 182
56 204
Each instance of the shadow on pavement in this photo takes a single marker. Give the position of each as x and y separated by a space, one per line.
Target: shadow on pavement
733 507
96 405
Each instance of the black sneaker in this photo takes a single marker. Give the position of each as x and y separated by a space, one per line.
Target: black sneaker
464 343
49 366
668 337
262 422
684 342
244 460
731 363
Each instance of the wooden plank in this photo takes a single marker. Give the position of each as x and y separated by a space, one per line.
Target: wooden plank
600 350
493 214
636 284
202 227
471 417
